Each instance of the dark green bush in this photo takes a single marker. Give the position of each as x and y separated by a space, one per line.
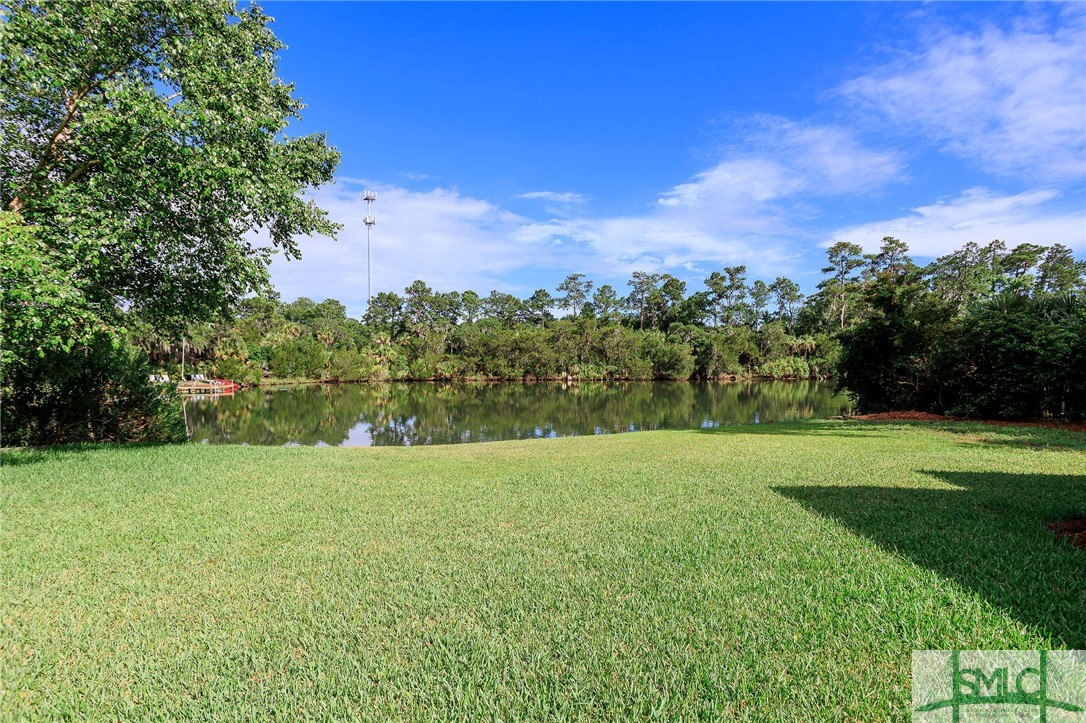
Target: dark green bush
301 358
100 392
1021 358
1010 357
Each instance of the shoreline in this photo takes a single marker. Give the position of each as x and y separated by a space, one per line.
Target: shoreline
569 379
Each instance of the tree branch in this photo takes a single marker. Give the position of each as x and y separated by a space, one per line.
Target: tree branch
64 131
80 171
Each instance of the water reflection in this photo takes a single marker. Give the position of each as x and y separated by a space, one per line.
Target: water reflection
420 413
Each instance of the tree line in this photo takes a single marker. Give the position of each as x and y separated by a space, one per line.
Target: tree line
983 332
656 331
731 328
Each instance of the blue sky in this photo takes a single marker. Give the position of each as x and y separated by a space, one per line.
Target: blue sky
512 144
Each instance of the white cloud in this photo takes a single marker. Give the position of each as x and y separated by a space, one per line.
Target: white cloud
1011 102
743 181
747 209
657 241
565 197
780 158
977 215
449 240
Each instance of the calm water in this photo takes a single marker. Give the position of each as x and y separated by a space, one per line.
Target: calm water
422 413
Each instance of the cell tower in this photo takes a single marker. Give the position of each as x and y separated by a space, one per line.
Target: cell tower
369 197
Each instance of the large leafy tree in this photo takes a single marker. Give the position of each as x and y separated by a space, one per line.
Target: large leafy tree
1060 272
734 292
668 300
471 305
759 299
387 314
145 182
969 273
144 143
894 358
419 300
892 258
502 306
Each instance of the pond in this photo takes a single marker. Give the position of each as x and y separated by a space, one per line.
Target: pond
424 413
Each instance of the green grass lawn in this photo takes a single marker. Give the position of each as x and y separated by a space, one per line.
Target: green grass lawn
783 571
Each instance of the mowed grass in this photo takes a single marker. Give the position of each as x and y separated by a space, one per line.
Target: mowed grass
773 572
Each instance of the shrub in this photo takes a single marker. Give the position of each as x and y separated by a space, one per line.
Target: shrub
98 392
669 359
242 372
791 367
302 358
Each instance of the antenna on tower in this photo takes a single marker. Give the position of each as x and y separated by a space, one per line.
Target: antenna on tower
369 197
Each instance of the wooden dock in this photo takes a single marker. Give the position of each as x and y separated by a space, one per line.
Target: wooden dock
206 387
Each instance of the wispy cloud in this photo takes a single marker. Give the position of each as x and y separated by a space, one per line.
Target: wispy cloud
1012 102
784 159
750 208
554 196
978 215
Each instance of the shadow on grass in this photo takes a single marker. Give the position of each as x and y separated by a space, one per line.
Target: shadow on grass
1010 436
799 427
970 432
988 535
18 457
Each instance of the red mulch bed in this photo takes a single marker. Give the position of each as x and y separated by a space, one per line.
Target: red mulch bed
1073 530
928 417
904 417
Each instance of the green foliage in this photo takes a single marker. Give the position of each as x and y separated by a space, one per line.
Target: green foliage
970 273
305 358
669 359
514 340
892 359
104 396
503 307
1010 357
1059 271
537 307
347 365
1022 358
575 290
42 307
791 367
642 288
141 146
901 330
839 291
239 371
145 140
787 298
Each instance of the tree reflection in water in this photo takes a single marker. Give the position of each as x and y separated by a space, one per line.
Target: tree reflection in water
423 413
